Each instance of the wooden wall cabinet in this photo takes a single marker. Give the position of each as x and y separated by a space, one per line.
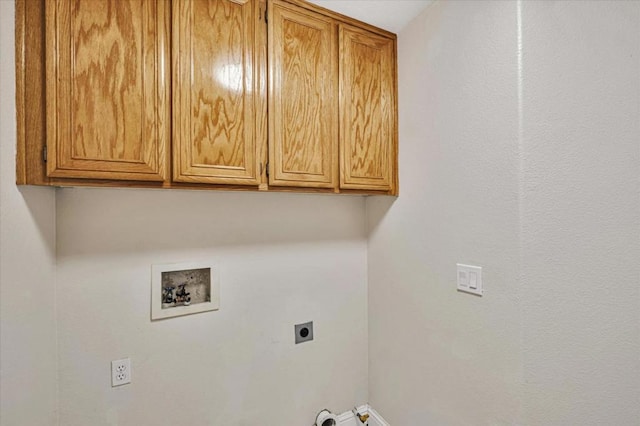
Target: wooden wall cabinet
107 101
216 91
332 106
303 97
213 94
367 110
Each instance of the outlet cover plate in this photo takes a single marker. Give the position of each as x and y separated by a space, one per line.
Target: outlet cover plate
304 332
120 372
469 279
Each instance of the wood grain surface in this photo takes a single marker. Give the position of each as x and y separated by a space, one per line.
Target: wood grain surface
303 108
216 85
107 90
93 81
367 106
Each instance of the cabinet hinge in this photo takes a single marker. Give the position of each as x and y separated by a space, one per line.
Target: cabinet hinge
44 154
265 14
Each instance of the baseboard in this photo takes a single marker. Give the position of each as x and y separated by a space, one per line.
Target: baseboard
375 419
349 419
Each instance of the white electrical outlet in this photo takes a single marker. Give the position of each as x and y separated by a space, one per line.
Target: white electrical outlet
120 372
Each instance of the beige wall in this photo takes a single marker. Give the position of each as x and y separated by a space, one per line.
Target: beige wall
581 212
27 268
283 259
520 152
438 357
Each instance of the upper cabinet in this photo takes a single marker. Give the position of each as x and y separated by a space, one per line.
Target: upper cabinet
241 94
367 110
303 97
216 91
107 95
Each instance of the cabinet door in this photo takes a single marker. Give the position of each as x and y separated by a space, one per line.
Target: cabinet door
216 91
367 110
303 101
107 89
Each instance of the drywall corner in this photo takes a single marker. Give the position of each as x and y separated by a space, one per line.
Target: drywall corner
27 270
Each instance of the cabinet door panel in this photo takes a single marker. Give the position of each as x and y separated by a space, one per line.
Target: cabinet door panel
303 102
367 110
107 89
215 91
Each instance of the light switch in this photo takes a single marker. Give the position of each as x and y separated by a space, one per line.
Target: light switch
463 279
473 280
469 279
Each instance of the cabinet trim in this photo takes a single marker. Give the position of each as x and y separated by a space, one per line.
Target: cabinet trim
341 18
30 101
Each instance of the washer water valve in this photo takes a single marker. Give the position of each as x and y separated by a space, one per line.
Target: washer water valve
362 417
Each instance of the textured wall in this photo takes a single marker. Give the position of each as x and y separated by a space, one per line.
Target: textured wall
27 270
438 357
283 259
581 212
519 141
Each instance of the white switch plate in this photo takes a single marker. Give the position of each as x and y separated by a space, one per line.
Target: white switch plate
469 279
